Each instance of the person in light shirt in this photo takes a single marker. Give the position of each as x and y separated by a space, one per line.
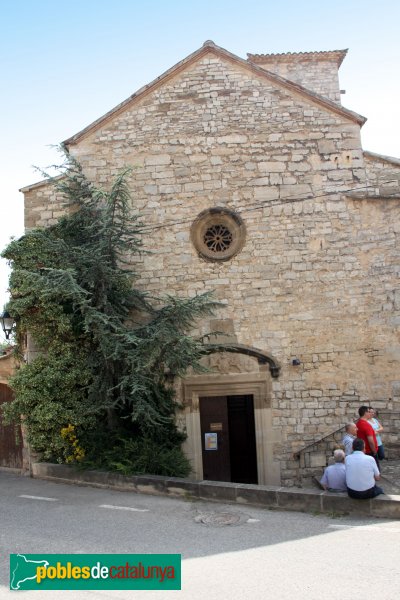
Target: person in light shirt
378 430
334 477
349 437
362 473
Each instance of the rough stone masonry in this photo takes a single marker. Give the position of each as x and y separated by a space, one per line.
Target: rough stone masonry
314 281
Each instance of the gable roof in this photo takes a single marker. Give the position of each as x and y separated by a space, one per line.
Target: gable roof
210 47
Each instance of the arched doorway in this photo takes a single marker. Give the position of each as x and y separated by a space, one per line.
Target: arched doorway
228 418
10 436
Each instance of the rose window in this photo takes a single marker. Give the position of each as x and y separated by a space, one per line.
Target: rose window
218 234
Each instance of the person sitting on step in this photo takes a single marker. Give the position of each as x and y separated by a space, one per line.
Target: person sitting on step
362 473
334 477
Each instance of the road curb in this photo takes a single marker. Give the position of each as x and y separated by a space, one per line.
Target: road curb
271 497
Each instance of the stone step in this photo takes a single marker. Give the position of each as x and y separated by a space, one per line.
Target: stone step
273 497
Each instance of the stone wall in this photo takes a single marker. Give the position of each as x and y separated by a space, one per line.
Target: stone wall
317 277
43 205
8 365
316 71
383 174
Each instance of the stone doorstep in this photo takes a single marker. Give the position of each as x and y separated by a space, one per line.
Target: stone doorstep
272 497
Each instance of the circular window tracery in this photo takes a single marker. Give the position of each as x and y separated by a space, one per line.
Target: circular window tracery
218 238
218 234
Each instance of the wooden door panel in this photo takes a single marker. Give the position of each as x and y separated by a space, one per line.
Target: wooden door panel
214 419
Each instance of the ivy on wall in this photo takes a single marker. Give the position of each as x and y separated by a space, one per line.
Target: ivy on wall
98 392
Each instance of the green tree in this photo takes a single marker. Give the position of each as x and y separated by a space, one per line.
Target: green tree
108 348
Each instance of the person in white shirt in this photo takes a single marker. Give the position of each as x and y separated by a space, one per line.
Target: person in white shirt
361 473
378 430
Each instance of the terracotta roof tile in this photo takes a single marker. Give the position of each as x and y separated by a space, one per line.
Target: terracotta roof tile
334 55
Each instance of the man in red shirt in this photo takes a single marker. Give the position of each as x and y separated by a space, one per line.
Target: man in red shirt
366 432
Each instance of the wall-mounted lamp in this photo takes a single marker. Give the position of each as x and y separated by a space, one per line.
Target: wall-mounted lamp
7 323
296 362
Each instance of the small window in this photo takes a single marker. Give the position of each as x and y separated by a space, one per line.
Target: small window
218 234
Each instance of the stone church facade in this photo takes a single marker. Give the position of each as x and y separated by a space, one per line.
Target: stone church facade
252 182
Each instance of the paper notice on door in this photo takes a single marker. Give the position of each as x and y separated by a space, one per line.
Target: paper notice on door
211 441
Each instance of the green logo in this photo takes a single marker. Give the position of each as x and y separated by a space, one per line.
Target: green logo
95 571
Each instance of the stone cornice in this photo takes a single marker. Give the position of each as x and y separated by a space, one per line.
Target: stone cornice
210 48
374 156
371 196
42 183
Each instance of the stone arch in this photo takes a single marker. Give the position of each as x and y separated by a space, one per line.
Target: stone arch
263 358
235 369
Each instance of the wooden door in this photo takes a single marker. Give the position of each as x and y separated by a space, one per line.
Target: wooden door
10 446
215 438
228 439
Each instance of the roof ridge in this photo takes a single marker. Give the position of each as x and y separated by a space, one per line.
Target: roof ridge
294 53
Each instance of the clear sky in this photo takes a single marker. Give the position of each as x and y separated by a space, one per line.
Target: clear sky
64 64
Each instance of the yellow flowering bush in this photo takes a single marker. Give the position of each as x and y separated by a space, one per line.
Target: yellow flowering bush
75 452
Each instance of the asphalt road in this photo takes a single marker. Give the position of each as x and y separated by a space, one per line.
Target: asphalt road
264 555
